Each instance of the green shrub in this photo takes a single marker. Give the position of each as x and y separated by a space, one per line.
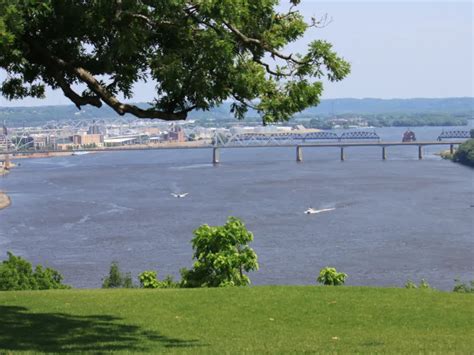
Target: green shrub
463 288
330 277
116 279
410 284
222 256
423 284
17 273
149 279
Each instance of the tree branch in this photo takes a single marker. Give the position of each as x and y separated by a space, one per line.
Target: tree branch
261 44
53 63
75 97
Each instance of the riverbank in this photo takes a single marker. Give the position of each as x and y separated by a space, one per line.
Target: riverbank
5 200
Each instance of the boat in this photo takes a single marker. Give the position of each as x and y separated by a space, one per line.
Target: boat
409 136
179 195
314 211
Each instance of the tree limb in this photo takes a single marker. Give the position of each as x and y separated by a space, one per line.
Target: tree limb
249 40
52 62
75 97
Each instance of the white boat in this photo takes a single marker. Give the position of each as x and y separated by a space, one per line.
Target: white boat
80 153
315 211
179 195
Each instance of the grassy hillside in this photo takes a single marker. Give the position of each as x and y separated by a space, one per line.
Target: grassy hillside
254 320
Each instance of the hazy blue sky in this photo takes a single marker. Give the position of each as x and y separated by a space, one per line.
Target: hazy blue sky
398 49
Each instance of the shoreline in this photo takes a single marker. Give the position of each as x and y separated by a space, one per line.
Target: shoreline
5 200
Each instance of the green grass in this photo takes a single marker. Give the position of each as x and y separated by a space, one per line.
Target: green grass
236 320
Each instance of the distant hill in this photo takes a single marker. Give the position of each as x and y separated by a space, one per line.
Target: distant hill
376 106
32 116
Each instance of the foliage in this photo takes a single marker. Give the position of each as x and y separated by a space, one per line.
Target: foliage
222 256
116 278
17 273
199 53
410 284
149 279
465 153
422 285
330 277
463 288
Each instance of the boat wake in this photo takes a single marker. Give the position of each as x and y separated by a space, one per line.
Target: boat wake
315 211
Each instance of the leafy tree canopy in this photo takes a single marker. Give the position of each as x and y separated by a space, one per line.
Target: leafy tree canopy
222 256
198 52
17 273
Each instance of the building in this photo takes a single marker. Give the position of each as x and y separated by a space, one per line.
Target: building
175 134
3 142
94 129
87 139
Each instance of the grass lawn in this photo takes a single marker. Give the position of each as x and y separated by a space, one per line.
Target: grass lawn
255 320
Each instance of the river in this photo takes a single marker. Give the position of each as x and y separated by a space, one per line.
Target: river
393 220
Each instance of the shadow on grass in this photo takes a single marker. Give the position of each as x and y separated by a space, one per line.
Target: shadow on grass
58 332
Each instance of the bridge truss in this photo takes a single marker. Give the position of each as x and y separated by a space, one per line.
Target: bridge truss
288 138
454 134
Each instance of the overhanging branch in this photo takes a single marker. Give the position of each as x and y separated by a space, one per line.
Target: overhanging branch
59 66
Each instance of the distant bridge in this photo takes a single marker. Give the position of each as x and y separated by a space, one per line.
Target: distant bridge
454 134
342 146
322 139
288 138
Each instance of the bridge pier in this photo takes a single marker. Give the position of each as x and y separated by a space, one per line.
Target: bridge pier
420 152
451 148
342 154
384 153
216 155
299 154
6 163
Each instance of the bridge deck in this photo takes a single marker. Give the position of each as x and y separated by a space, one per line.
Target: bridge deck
293 145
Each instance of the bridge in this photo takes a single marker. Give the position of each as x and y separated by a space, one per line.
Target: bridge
288 138
454 134
300 141
342 146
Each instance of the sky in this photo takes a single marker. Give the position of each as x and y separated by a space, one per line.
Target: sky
397 49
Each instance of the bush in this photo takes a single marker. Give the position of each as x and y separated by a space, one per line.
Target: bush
463 288
222 256
330 277
423 284
149 279
17 273
116 279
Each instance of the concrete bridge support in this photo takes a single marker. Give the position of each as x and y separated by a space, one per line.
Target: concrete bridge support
299 154
343 157
451 148
420 152
7 161
384 153
216 155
